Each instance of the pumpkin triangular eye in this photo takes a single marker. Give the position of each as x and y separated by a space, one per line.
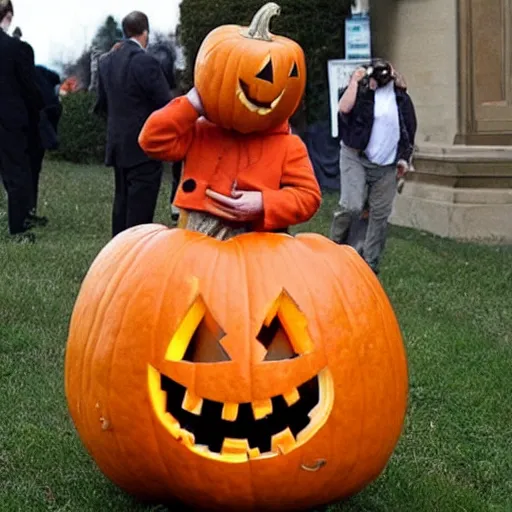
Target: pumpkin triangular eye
284 334
267 73
205 347
275 339
197 338
295 71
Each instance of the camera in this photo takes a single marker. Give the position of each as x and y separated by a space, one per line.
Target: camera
381 72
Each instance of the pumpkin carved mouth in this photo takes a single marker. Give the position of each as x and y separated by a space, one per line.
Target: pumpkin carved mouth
247 431
261 107
238 432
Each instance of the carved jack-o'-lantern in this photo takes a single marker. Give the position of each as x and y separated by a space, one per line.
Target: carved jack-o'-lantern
249 79
260 373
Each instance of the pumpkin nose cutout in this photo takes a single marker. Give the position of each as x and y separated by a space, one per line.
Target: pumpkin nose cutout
276 342
267 73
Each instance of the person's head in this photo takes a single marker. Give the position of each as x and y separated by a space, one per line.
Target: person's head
6 14
136 26
17 33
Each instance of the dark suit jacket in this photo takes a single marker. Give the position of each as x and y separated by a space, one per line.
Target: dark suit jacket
131 86
20 98
47 80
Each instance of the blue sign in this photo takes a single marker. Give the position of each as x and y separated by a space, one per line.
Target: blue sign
358 37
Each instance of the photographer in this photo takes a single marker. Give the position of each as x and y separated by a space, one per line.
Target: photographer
377 127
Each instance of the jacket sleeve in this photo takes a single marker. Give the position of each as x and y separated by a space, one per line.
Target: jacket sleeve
169 132
101 105
299 197
410 121
150 77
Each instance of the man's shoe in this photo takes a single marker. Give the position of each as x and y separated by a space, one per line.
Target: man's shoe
23 238
35 221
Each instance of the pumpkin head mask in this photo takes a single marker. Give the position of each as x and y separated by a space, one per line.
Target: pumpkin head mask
249 79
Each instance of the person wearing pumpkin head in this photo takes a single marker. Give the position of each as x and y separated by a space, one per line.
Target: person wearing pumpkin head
243 169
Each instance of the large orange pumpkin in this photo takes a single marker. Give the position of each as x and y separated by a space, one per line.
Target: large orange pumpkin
249 79
265 372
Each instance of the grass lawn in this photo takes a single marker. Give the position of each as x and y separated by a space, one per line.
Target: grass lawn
454 302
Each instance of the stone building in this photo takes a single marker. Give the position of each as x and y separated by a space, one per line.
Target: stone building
457 58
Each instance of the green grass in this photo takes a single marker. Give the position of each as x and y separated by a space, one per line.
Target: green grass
454 302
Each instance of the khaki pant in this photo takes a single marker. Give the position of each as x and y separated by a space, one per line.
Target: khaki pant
361 179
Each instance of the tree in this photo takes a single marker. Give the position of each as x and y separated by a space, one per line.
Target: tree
107 35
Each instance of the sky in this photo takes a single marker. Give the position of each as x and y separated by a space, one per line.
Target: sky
60 30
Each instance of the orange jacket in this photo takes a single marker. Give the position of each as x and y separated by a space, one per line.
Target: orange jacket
275 163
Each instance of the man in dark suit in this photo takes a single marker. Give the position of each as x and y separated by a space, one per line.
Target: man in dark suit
43 129
43 134
131 86
20 103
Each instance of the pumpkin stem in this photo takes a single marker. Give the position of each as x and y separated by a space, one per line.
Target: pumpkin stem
260 25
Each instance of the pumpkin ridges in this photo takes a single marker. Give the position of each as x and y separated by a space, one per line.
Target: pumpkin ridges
340 291
355 261
176 255
173 257
95 268
378 295
149 247
358 267
115 282
399 371
103 299
75 378
106 406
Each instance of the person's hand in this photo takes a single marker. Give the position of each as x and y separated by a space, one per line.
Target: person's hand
241 206
398 78
402 168
357 76
195 99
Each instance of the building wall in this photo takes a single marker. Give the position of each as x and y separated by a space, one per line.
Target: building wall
420 38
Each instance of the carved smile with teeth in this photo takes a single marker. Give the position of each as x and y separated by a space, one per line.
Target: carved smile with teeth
239 432
254 105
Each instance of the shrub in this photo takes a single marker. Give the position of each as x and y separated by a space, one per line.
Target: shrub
317 25
82 134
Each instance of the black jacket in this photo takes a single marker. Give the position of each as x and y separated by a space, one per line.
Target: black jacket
131 86
47 80
20 98
356 127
